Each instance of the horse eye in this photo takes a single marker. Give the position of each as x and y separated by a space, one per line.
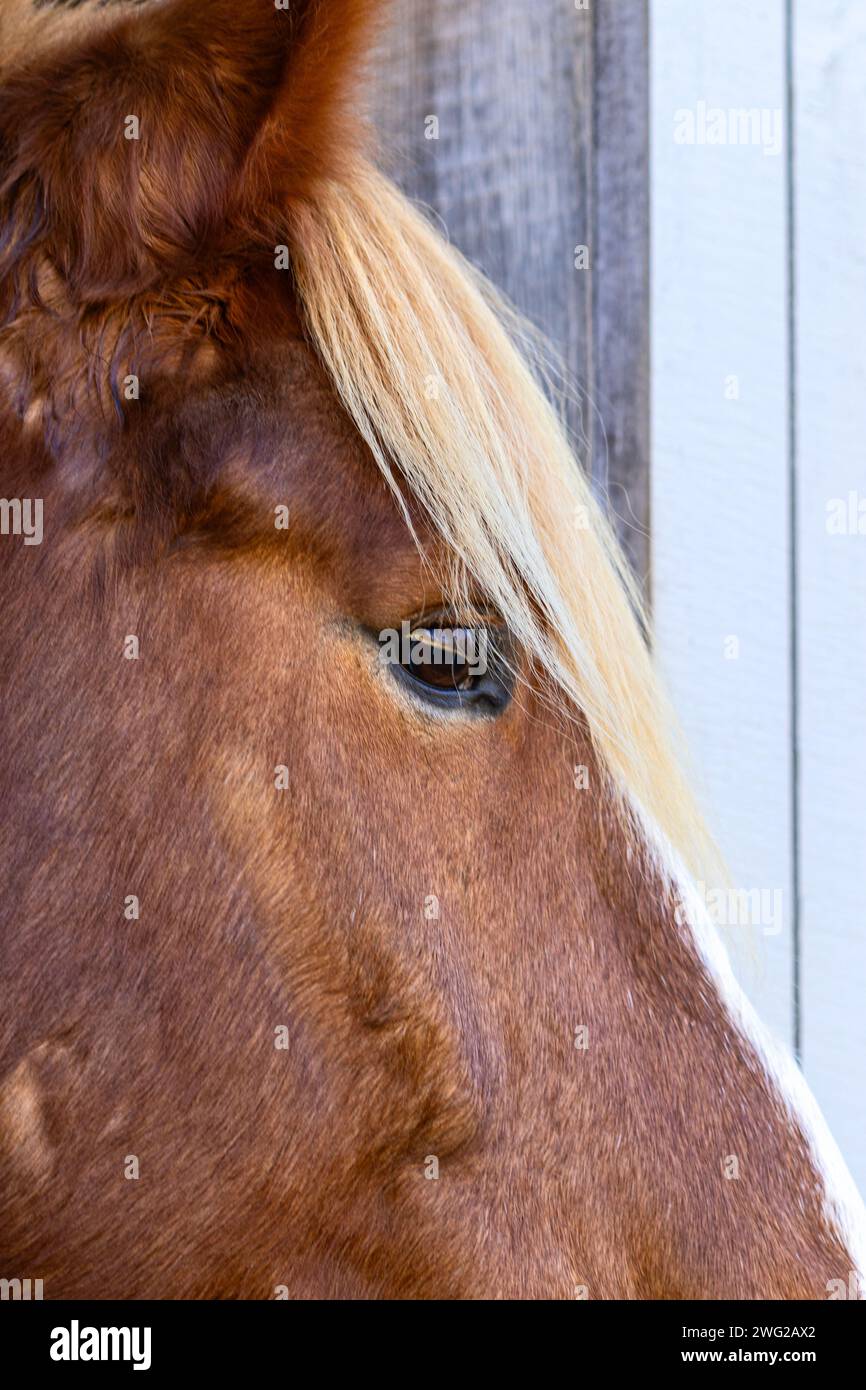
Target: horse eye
447 658
454 666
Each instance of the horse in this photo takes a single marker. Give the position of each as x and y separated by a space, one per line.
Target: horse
325 975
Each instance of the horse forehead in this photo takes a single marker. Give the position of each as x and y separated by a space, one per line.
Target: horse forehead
311 458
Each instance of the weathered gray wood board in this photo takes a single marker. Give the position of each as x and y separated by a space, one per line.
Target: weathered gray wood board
542 148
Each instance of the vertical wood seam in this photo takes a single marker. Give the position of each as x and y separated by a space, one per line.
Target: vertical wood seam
794 635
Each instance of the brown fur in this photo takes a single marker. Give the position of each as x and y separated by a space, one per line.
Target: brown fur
238 118
260 1167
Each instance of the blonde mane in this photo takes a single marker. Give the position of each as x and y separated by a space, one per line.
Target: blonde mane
422 352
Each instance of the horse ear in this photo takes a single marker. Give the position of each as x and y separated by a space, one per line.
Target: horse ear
133 152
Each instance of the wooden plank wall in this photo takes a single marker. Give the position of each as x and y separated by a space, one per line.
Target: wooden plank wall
829 53
721 453
542 147
758 404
